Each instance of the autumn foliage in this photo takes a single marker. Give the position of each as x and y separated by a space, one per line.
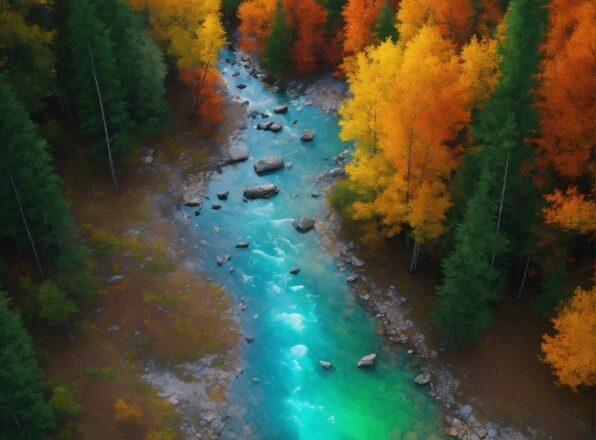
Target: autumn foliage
255 23
571 351
128 413
307 19
205 85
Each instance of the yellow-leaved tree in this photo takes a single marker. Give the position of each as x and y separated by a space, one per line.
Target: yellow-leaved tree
571 352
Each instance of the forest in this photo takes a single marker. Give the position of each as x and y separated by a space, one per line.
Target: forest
471 126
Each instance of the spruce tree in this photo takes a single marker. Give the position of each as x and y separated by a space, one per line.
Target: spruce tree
276 55
385 26
90 73
470 284
333 8
140 65
23 412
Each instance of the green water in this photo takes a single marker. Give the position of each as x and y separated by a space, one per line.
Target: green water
297 320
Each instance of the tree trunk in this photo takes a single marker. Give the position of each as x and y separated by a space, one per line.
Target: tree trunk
492 261
198 92
103 117
523 281
415 256
24 219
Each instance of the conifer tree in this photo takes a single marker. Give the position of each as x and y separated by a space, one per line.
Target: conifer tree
140 65
470 283
386 23
276 54
23 412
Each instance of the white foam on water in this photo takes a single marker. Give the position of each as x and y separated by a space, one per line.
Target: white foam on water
282 221
298 350
297 288
273 287
277 260
247 278
294 320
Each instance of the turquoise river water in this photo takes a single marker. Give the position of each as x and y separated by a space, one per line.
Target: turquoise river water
297 320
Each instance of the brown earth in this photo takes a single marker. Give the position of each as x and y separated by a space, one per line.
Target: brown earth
161 309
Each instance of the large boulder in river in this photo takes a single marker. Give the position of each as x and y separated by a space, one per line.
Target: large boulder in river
304 224
307 136
269 164
264 191
237 155
280 110
367 361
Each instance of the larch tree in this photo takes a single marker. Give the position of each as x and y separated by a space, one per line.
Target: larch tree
452 17
307 20
24 414
571 352
256 19
565 96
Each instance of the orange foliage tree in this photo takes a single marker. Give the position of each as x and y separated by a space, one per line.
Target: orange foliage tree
307 19
572 211
572 351
359 17
255 23
128 413
566 97
209 107
452 17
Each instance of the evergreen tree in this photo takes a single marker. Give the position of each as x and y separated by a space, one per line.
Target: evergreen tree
386 21
276 54
470 284
90 73
23 412
333 8
140 65
34 215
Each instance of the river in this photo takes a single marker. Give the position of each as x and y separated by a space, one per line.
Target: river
298 320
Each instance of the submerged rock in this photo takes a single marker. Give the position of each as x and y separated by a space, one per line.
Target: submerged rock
325 365
367 361
242 245
241 86
423 379
269 164
307 136
304 224
264 191
295 271
280 110
216 206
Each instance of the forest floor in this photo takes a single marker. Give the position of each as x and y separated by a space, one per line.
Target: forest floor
502 378
153 311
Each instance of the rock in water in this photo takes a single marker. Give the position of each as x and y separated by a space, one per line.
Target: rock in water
216 206
264 191
242 245
325 364
237 155
275 127
280 110
367 361
304 224
269 164
219 261
422 379
307 136
223 195
295 271
241 86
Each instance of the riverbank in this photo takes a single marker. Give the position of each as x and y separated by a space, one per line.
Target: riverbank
498 389
160 336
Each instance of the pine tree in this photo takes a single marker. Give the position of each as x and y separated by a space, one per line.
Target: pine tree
140 65
276 54
90 73
23 412
333 8
386 24
470 283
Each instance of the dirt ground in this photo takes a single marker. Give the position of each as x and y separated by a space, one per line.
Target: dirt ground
152 304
